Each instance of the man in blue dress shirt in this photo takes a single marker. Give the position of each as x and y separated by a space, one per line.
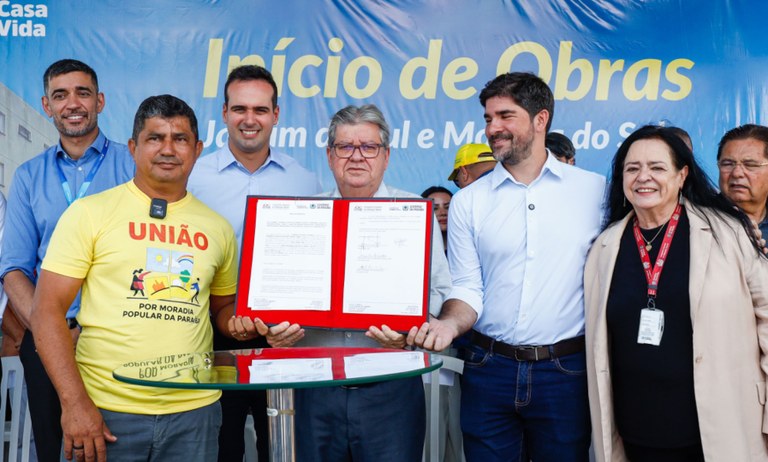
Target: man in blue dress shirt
524 388
84 162
222 180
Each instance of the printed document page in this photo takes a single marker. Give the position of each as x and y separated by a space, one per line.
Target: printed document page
291 266
290 370
385 258
371 364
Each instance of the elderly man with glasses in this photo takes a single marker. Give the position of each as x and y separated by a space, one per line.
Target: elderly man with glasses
382 420
742 157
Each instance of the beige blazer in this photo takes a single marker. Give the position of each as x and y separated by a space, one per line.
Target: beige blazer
729 312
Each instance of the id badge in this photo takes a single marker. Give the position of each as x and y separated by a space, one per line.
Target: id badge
651 326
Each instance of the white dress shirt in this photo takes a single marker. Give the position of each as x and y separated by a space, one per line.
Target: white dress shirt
517 252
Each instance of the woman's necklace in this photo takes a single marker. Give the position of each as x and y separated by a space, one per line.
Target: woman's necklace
649 243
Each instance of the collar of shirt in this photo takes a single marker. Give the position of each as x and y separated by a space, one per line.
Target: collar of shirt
382 191
226 159
499 174
93 150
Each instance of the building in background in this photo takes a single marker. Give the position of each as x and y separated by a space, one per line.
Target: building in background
24 133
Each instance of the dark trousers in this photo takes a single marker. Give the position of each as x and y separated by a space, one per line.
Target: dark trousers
235 407
645 454
383 421
44 406
524 410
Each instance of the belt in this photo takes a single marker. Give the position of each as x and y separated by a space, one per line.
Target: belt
529 352
359 385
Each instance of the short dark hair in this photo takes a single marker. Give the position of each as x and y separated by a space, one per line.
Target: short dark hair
744 132
250 72
698 188
435 189
166 107
65 66
526 89
560 145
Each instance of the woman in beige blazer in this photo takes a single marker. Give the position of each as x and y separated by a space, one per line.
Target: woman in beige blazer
676 297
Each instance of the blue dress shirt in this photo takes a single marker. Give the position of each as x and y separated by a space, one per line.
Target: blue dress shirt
3 297
764 228
37 200
517 252
222 183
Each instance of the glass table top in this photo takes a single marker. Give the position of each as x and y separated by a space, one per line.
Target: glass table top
265 368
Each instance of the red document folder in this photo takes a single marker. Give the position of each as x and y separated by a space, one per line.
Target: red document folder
335 318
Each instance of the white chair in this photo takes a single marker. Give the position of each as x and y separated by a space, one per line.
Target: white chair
11 387
432 444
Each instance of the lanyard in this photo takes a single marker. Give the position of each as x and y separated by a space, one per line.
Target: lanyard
88 179
653 275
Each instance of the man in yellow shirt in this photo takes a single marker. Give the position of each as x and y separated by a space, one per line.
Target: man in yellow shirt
137 251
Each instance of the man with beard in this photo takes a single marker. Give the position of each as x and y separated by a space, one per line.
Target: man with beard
82 163
524 388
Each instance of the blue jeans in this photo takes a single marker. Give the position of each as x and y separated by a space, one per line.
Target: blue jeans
181 437
524 410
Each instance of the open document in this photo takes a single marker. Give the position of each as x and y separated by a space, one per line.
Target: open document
338 263
385 263
291 265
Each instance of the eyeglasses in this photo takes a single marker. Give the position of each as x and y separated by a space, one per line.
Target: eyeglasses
728 165
345 151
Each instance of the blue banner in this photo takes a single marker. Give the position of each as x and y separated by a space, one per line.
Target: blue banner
613 65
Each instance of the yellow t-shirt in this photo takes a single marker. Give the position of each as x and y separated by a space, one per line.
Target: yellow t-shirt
145 291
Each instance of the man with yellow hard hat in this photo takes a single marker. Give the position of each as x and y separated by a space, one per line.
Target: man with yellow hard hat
472 161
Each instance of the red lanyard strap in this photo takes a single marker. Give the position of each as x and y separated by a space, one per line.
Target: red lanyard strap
652 275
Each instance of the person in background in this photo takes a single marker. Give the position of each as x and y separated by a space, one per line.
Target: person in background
742 160
683 135
676 354
13 332
11 328
247 166
472 162
441 200
561 147
83 162
450 389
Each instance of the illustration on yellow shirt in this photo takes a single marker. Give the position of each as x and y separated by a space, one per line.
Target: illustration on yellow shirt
167 277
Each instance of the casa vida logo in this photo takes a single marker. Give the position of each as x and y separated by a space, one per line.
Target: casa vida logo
22 19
